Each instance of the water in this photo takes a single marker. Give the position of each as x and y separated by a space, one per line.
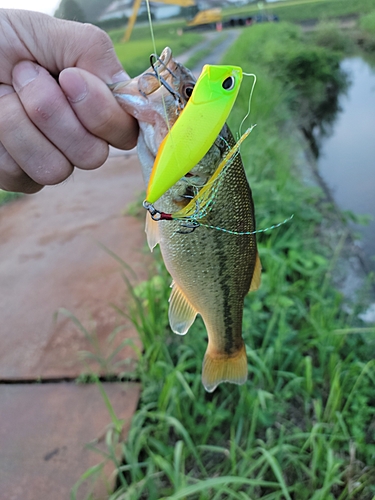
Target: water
347 157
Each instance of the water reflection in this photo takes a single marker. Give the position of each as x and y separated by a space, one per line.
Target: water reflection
347 157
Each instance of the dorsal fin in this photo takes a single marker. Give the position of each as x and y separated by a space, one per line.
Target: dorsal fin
152 232
181 313
255 281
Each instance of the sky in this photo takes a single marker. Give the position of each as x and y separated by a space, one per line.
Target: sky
46 6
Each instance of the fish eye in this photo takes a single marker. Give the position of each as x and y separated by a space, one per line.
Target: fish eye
228 83
188 90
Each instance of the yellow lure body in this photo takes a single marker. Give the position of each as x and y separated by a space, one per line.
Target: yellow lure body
196 129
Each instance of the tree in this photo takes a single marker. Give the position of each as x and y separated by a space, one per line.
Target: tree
91 9
69 9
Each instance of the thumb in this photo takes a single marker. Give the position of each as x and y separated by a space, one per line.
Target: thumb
91 49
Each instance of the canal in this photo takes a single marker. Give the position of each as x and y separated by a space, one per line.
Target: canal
347 155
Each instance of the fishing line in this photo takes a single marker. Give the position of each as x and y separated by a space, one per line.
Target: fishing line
249 104
246 232
155 52
150 24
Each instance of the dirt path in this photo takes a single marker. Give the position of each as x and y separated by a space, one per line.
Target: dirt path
216 54
50 258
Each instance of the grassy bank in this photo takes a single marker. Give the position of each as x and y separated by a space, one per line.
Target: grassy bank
302 427
6 196
304 10
134 53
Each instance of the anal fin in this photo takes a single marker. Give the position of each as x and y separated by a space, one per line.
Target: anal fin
152 232
255 280
222 368
181 313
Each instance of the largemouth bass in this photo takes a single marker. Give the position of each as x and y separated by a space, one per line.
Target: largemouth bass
214 265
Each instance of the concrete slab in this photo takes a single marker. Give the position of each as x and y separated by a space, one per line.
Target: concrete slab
44 430
50 258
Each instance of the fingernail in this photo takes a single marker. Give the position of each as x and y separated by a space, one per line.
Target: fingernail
6 89
121 76
24 73
75 87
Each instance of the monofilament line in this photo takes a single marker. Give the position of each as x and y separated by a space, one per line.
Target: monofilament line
156 54
248 232
250 99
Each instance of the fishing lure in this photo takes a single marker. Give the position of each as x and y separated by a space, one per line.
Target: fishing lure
202 202
196 128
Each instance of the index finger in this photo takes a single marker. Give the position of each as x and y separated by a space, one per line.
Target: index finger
97 109
56 44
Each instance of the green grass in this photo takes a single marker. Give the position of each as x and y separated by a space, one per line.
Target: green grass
302 10
302 427
141 31
201 54
6 196
330 35
135 54
367 23
367 33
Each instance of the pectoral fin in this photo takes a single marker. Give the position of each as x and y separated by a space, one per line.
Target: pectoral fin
181 313
152 232
255 281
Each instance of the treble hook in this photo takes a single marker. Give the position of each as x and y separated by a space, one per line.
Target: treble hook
153 60
192 226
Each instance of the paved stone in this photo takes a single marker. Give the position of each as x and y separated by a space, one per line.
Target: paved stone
50 258
44 430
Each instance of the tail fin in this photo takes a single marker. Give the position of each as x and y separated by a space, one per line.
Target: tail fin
222 368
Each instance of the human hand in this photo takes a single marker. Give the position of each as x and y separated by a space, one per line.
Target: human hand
47 128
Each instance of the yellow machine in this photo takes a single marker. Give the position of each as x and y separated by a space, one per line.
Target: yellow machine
208 16
137 4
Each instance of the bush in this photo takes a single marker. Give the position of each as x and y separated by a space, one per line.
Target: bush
329 35
367 24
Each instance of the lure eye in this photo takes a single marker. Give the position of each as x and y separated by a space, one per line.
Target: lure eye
228 83
188 91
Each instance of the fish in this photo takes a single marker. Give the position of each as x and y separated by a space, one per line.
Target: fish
216 263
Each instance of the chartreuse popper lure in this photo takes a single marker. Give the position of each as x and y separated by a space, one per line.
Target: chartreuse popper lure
196 129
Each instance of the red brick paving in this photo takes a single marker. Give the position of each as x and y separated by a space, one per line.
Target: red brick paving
50 258
44 430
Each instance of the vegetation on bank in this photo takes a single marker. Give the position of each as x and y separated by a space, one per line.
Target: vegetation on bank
303 10
302 427
367 32
6 196
367 24
135 53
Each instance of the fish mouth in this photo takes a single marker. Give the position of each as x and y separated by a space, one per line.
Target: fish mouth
158 95
159 73
167 72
